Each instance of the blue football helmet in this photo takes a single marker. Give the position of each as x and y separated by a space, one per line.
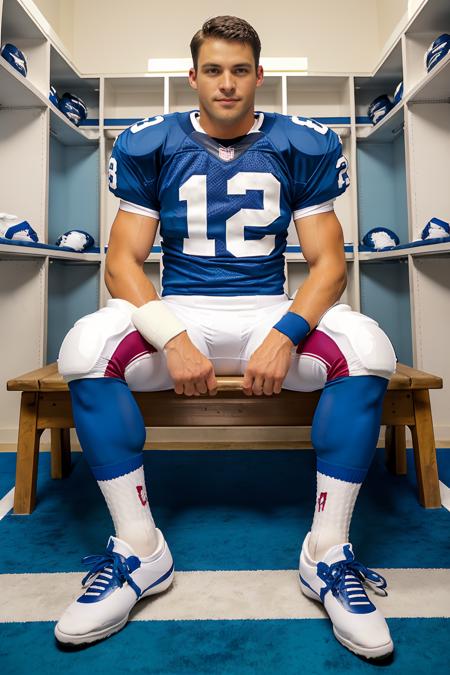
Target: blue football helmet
437 50
76 240
73 107
15 57
379 238
379 108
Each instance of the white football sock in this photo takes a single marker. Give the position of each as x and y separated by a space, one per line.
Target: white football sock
128 505
334 508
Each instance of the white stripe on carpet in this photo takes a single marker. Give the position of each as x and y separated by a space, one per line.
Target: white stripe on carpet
259 594
445 495
6 503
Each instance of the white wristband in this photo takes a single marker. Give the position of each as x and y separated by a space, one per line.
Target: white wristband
156 323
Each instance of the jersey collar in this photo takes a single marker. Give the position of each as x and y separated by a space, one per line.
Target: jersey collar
195 114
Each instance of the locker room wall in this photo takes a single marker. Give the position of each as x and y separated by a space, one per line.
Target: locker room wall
144 28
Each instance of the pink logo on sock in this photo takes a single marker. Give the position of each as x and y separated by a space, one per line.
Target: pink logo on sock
322 501
142 496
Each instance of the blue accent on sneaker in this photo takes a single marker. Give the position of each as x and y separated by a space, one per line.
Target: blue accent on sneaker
115 570
160 580
305 583
343 579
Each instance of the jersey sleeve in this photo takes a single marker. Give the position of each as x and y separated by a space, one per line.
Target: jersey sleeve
134 168
319 167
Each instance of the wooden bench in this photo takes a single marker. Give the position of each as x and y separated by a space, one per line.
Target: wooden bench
46 404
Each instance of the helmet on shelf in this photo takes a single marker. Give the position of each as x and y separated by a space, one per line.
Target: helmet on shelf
15 57
437 50
380 237
73 107
12 227
76 240
379 108
53 96
435 229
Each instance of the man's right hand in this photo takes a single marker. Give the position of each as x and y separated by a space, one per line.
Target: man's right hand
191 371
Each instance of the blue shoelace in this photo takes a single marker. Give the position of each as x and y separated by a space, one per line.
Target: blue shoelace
113 568
344 579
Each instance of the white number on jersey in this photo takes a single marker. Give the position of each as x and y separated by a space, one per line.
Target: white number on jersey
148 122
311 124
343 178
193 191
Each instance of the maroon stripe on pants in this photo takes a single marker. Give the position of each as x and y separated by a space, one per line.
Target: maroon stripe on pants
129 348
326 350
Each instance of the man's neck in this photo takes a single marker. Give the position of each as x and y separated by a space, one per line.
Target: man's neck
222 131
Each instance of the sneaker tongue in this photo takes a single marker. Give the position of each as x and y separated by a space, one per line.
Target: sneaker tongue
120 546
338 554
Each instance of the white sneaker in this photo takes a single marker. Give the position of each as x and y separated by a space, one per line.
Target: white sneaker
116 581
336 582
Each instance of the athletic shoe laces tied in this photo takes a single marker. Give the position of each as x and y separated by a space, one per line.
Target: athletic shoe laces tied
344 579
113 567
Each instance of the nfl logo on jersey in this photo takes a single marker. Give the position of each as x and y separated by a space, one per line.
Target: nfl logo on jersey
226 153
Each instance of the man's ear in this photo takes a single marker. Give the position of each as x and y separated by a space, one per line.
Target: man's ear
193 78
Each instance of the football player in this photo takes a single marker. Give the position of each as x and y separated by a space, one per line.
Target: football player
223 182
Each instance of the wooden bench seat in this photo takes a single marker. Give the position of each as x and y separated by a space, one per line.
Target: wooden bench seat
46 404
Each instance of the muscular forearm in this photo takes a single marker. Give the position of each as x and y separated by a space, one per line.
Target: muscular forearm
127 280
323 287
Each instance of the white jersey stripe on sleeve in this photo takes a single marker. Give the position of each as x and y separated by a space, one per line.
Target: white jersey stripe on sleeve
314 210
137 208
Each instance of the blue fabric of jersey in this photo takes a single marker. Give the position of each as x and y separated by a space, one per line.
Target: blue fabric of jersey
346 425
109 425
294 326
229 236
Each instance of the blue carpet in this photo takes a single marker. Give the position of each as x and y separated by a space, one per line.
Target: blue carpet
287 647
220 510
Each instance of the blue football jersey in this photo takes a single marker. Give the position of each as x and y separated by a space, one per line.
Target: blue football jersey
225 210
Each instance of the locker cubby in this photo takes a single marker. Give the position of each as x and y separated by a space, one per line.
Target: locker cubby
73 190
326 99
20 30
269 95
432 21
128 99
384 81
23 142
382 196
431 287
429 144
73 292
22 334
385 296
65 79
297 273
181 95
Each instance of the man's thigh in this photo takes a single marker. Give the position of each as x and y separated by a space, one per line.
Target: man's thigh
344 343
106 344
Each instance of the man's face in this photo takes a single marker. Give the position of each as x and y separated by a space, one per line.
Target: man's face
226 81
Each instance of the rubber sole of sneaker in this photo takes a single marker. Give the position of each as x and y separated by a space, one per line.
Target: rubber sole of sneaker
94 636
376 653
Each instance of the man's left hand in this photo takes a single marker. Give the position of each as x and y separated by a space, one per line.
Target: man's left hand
268 365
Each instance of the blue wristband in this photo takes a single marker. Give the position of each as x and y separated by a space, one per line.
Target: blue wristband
294 326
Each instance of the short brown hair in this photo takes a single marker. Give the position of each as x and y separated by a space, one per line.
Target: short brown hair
226 28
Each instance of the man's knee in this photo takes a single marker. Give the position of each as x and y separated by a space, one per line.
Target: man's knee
368 342
81 352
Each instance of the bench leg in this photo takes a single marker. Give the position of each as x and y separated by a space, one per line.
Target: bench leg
60 453
395 449
27 454
425 451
